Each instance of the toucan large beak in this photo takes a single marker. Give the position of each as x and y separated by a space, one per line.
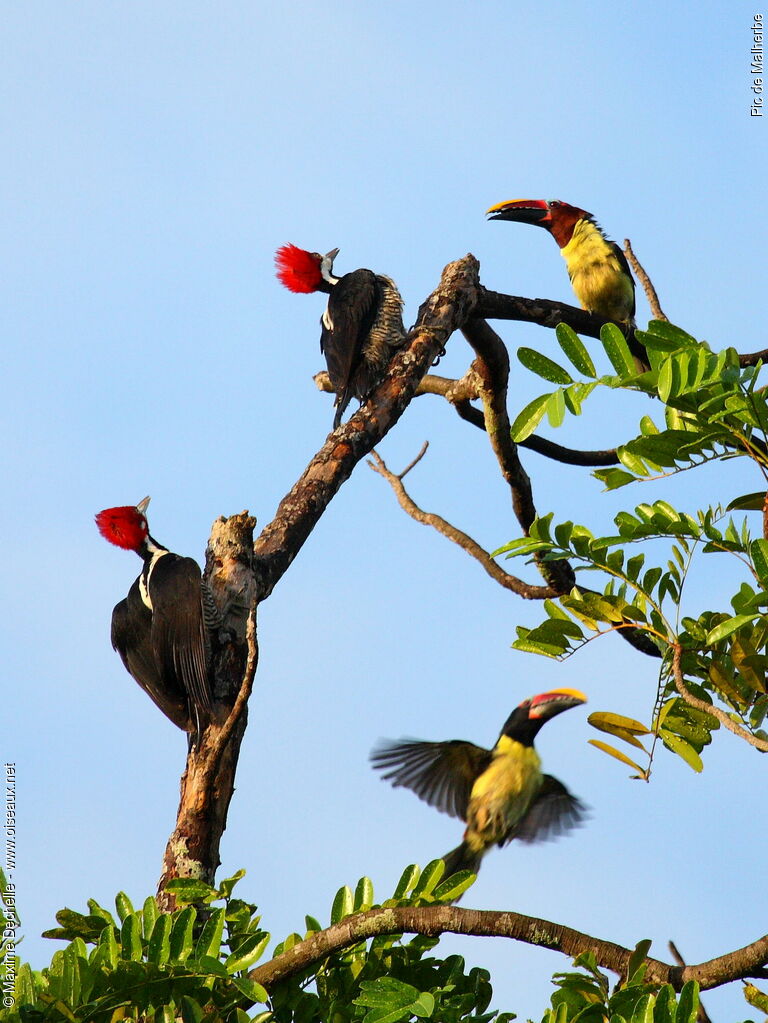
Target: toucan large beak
546 705
524 211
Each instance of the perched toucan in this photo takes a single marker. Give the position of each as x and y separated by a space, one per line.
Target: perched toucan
162 628
598 269
362 323
500 793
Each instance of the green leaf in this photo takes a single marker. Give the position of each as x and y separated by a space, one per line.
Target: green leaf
209 942
430 877
159 944
130 937
123 905
191 1010
726 628
247 953
363 895
556 408
574 349
688 1003
386 992
149 915
612 479
343 904
251 989
454 886
759 551
530 417
543 367
181 933
638 955
618 755
643 1011
617 350
748 502
408 879
191 889
424 1005
682 748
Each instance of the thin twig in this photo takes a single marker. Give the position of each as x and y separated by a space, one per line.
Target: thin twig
645 280
708 708
509 582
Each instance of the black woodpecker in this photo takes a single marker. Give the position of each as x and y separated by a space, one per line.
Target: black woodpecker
362 323
162 628
501 793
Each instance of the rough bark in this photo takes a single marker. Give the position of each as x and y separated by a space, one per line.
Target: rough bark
209 779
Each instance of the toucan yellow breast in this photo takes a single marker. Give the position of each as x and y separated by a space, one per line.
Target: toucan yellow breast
598 278
502 794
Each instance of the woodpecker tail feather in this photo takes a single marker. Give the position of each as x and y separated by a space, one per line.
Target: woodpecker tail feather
461 858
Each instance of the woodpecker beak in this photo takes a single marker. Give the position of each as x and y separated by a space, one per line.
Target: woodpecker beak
142 506
330 256
524 211
547 705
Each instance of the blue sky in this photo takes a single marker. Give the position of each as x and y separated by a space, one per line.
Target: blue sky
155 156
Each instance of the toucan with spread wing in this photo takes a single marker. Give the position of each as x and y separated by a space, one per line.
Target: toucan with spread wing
361 325
501 793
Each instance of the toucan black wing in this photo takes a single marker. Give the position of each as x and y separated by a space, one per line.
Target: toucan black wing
346 324
178 630
440 773
132 638
622 260
554 811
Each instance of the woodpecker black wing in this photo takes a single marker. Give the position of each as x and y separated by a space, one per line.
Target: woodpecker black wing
440 773
554 811
178 630
345 325
132 638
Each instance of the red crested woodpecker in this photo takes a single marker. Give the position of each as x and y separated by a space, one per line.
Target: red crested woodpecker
501 793
161 629
362 323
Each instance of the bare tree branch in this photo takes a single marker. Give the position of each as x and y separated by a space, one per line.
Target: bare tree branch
708 708
436 920
495 571
491 367
645 280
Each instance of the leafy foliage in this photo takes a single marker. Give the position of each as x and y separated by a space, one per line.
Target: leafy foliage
713 410
194 964
585 996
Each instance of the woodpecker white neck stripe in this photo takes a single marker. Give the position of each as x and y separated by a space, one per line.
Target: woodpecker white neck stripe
146 575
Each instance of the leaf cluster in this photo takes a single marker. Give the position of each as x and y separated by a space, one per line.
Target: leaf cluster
143 963
585 996
193 964
713 409
389 979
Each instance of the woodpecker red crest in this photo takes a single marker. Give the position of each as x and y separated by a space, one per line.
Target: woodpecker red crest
298 269
125 527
